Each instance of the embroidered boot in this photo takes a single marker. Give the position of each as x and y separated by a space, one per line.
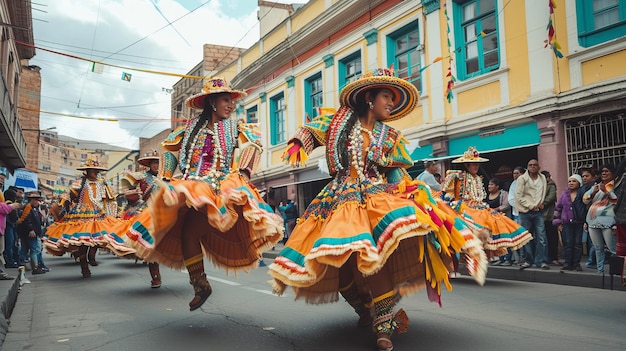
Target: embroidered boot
385 322
84 266
155 274
360 303
91 256
197 278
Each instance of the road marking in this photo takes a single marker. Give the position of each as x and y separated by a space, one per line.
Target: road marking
223 281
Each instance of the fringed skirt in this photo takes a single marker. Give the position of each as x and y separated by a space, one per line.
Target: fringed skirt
84 228
235 225
382 225
503 233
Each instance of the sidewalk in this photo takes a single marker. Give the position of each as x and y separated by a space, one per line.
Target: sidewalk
587 278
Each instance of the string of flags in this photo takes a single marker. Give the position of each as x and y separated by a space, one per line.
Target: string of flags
551 41
449 76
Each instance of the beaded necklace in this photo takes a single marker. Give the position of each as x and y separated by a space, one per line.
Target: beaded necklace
210 158
473 189
355 147
96 199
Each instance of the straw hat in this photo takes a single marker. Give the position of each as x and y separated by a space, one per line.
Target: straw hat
213 86
470 156
34 195
148 158
91 164
405 93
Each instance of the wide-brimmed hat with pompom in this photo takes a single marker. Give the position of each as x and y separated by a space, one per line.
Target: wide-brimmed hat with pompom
405 93
213 86
470 156
91 163
148 158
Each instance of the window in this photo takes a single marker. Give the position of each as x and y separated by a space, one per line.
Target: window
349 69
277 119
313 93
251 115
476 33
402 50
600 20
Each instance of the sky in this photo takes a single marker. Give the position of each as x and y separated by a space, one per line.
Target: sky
154 35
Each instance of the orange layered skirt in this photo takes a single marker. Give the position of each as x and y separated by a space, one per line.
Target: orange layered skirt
397 226
87 228
235 224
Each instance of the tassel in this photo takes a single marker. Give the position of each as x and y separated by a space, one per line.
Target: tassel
402 322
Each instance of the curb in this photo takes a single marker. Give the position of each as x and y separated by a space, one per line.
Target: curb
586 279
7 305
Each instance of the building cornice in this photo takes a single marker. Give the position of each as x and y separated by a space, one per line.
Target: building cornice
332 20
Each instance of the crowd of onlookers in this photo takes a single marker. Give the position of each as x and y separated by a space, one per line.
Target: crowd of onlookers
587 217
23 218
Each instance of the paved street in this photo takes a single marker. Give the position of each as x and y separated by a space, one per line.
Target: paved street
116 310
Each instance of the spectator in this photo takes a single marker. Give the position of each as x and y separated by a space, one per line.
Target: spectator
530 191
428 176
601 215
290 215
29 230
10 236
517 256
552 233
6 207
620 209
590 178
569 216
498 200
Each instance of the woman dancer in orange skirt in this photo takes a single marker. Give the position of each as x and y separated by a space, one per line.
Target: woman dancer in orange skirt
89 220
370 235
214 208
464 191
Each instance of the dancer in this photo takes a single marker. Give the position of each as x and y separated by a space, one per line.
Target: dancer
214 208
464 191
88 221
372 234
139 186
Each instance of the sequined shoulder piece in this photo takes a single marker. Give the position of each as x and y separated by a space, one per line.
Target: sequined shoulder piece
250 132
392 147
319 125
173 140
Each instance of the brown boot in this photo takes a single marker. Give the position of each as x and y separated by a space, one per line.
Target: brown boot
84 266
197 278
155 274
359 302
91 256
203 290
385 322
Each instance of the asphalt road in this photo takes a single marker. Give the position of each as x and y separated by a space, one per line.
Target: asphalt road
116 310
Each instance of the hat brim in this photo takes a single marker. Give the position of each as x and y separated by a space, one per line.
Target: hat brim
82 168
145 161
196 102
462 159
406 94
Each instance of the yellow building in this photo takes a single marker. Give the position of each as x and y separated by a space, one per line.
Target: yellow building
516 79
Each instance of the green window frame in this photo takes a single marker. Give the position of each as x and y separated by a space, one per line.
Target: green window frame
278 113
599 21
350 69
314 93
252 115
477 39
402 50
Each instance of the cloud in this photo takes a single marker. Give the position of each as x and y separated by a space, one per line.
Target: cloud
129 33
